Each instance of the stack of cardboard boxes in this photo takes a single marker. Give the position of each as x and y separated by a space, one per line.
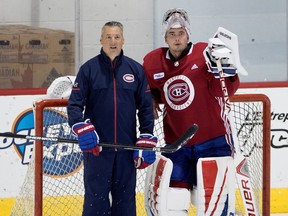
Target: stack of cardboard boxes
34 57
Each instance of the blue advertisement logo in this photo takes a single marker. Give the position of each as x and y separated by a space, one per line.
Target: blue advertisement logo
59 159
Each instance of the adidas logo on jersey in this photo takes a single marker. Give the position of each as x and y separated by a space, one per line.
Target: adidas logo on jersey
194 66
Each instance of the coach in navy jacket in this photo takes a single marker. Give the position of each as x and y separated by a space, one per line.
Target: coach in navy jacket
110 90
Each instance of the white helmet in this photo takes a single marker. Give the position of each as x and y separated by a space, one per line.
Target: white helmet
176 18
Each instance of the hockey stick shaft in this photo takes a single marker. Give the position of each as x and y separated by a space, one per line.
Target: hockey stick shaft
168 148
243 179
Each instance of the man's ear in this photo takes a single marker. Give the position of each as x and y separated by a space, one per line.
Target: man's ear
101 38
165 38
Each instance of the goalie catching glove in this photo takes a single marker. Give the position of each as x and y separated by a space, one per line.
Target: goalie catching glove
217 49
142 158
88 138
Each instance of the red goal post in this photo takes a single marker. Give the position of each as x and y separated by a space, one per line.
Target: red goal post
59 191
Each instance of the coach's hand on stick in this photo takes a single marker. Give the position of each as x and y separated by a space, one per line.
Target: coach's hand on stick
88 138
142 158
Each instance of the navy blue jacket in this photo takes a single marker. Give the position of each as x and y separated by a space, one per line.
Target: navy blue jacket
110 94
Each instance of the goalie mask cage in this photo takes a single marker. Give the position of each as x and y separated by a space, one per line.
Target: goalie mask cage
53 184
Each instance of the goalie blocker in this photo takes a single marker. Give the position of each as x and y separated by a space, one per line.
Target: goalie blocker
224 46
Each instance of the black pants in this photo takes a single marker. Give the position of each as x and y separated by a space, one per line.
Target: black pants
112 172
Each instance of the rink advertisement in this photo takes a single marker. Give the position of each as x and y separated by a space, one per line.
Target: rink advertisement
278 144
17 117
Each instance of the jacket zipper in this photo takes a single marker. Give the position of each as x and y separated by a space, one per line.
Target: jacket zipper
115 102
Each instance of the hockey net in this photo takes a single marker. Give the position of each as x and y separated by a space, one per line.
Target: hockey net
54 181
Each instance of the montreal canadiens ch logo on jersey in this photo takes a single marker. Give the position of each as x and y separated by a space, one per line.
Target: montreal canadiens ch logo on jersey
179 92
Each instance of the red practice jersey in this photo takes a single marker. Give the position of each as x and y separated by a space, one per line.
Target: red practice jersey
189 92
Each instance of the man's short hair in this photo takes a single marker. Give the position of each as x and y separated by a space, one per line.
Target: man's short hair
113 24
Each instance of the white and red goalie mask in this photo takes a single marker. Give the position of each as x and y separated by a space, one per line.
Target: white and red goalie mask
176 18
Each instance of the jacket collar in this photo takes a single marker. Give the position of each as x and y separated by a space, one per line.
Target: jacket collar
107 59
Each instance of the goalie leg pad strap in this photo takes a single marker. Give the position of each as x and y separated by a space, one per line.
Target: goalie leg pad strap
215 192
160 199
178 200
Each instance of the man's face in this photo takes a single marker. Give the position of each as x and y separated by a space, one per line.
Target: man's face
177 39
112 41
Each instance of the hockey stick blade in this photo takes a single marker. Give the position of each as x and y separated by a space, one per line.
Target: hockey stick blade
168 148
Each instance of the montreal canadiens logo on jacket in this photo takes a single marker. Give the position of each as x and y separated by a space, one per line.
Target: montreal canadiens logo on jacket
129 78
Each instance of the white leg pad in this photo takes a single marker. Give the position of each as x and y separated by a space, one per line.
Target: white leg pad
160 199
215 186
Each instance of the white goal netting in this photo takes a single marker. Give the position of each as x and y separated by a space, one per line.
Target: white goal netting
62 171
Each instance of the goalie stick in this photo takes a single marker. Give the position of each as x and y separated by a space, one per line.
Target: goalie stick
242 169
188 134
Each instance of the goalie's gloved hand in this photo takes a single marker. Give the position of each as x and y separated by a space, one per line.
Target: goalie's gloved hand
142 158
217 49
88 138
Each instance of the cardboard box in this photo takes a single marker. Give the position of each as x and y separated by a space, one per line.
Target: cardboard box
61 47
40 45
34 47
13 76
45 74
9 46
32 75
37 56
